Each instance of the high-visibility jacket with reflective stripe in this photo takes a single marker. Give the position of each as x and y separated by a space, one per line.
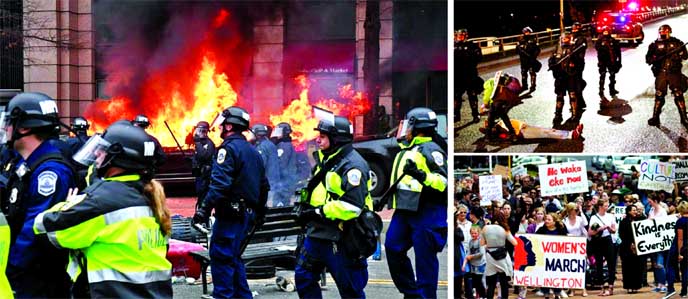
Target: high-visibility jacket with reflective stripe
342 193
429 158
112 224
5 289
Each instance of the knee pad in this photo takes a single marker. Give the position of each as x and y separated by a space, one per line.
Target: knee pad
573 96
677 93
659 93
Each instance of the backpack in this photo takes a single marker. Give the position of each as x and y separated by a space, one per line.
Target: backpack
361 234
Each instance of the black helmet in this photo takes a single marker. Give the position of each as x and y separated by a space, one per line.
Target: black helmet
527 29
141 121
340 133
286 128
421 117
80 124
565 40
236 116
576 27
203 125
260 130
461 33
33 110
130 147
664 31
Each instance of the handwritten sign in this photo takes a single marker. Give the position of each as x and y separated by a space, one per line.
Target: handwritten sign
655 175
490 189
519 170
550 261
563 178
654 235
500 170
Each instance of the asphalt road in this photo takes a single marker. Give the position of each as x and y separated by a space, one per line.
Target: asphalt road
619 130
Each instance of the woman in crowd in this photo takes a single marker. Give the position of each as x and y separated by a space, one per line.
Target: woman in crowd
538 221
499 266
575 224
678 253
658 259
552 227
464 226
631 263
602 226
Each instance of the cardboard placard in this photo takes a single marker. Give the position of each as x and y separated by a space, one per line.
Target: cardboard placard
563 178
654 235
550 261
655 175
490 189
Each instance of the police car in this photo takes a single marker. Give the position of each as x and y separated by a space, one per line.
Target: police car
626 26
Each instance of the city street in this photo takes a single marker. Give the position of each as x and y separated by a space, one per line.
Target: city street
380 284
617 130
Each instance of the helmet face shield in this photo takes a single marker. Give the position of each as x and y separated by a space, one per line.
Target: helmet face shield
201 132
4 127
95 147
402 129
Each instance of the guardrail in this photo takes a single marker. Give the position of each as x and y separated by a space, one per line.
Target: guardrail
497 47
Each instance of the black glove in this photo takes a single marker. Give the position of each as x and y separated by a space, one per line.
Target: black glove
412 169
200 217
311 214
378 205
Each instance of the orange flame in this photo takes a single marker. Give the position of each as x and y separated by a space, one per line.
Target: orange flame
220 18
299 113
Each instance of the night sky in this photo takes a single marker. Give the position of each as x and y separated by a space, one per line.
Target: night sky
494 18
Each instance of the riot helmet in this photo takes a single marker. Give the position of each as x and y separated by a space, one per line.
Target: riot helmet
236 116
29 110
565 40
141 121
664 31
340 132
80 125
527 31
461 35
201 130
122 145
260 130
419 119
576 27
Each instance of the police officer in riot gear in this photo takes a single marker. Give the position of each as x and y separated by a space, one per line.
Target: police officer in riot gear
528 51
665 55
467 55
119 224
268 151
580 42
143 122
608 59
238 193
420 218
286 155
41 177
202 160
80 127
336 193
567 68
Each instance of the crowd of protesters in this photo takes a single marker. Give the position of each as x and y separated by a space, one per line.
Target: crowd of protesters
483 233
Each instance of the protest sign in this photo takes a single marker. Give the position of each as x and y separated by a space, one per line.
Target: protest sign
519 170
654 235
500 170
619 213
550 261
563 178
490 189
655 175
681 170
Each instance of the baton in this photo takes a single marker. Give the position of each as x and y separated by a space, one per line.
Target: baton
175 139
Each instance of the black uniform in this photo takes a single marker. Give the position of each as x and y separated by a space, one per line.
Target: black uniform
568 77
580 40
202 164
528 51
467 55
608 60
667 71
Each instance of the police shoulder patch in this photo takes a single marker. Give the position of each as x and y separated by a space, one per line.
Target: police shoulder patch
221 154
47 181
438 157
354 177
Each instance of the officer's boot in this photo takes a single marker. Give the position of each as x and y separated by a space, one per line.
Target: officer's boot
612 82
602 85
656 111
524 79
533 80
473 101
558 109
681 104
573 100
